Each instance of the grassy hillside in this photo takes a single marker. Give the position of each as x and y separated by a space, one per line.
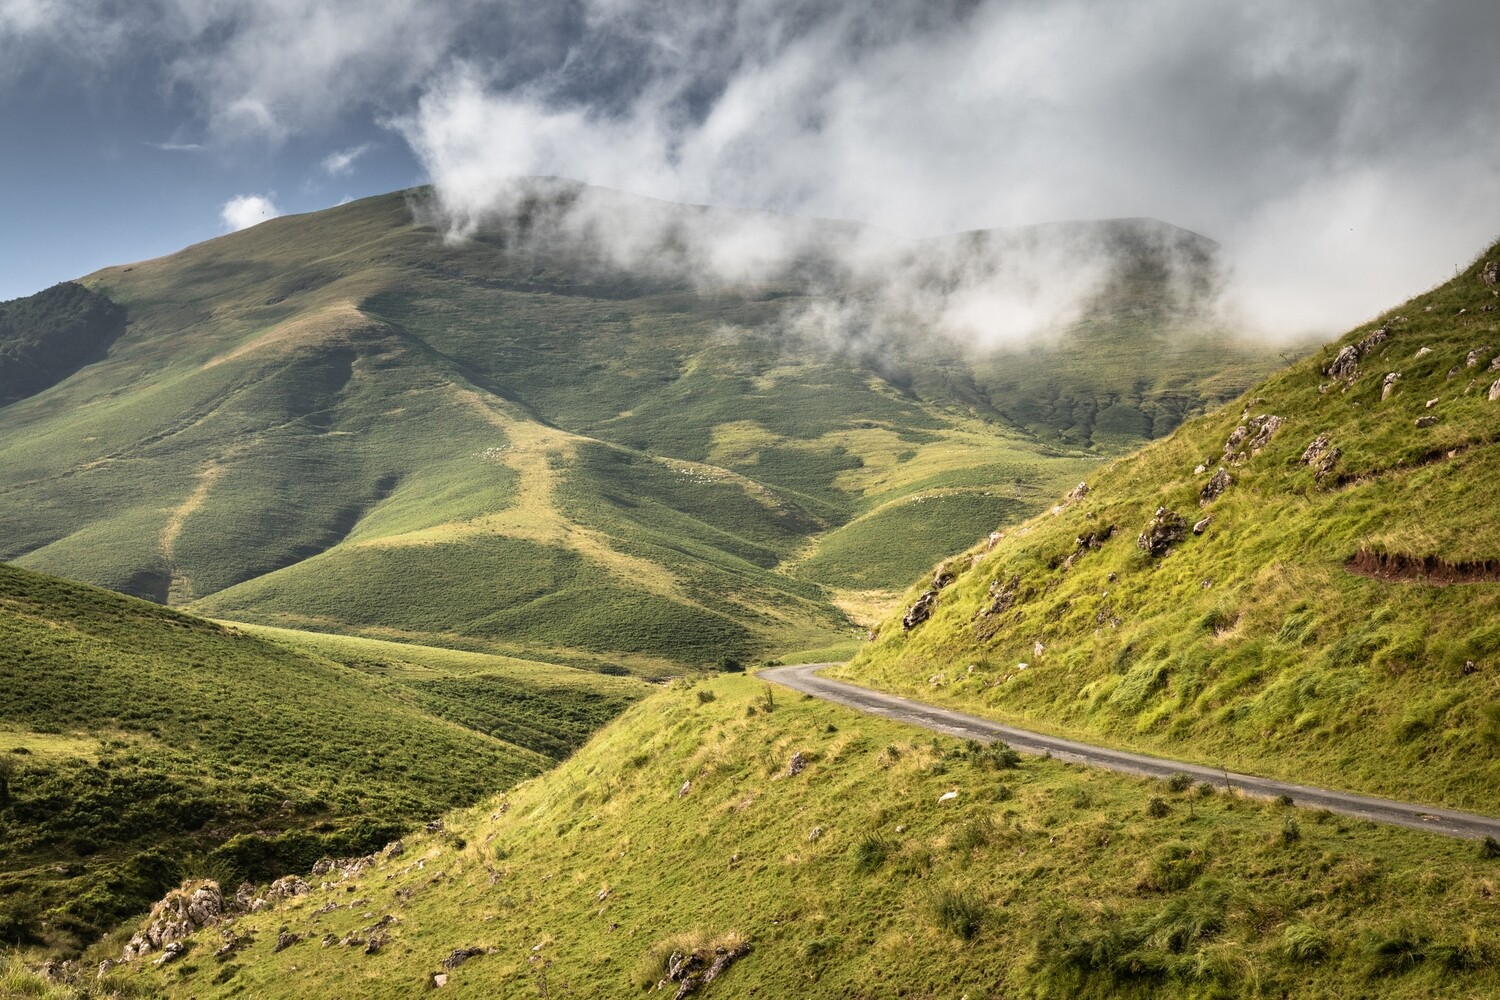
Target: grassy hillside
47 336
139 744
1329 615
341 422
682 827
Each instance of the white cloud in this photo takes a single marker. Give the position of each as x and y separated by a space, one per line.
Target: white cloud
177 147
341 163
246 210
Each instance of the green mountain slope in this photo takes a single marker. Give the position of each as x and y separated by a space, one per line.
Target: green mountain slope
685 826
1321 600
46 337
339 421
135 739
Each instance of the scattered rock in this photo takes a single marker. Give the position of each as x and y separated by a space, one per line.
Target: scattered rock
173 951
1037 649
687 786
1475 355
1431 403
1374 339
948 796
1490 273
1345 366
376 942
1495 391
1469 668
1202 525
815 833
1453 372
393 850
920 611
1002 595
1215 487
436 826
1165 529
322 866
1427 420
1390 385
459 956
1262 428
285 940
1321 456
994 540
439 979
1423 352
796 765
1077 493
1200 469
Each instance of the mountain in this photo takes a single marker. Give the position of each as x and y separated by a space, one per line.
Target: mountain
538 440
1304 583
684 837
139 744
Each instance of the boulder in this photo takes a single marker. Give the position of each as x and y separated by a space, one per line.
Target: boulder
1077 493
1374 339
1165 529
1423 352
459 956
1214 488
1345 366
1490 273
1389 386
286 888
1427 420
1495 391
173 951
1202 525
1475 355
920 611
796 765
285 940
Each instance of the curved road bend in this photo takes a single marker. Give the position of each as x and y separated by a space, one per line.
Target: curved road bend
804 678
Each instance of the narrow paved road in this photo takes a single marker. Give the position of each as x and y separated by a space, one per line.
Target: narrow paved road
804 678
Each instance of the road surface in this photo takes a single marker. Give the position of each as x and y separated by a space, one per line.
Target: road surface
805 678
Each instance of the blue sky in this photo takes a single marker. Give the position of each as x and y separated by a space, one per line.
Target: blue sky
1346 153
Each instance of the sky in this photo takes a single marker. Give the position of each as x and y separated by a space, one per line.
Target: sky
1345 153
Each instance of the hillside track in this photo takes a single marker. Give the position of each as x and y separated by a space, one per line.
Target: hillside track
806 679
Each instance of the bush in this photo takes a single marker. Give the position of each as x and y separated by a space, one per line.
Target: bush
1290 831
729 665
961 914
1179 783
1156 807
705 696
1489 848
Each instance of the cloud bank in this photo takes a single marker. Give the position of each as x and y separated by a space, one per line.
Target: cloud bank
1346 153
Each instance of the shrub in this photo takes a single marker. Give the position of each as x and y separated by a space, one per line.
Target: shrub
729 665
961 914
1179 783
1489 848
1393 951
1174 867
1156 807
1290 831
705 696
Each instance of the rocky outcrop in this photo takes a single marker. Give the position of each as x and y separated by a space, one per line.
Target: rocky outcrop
920 611
1321 456
695 969
1202 525
1476 355
1246 440
1495 391
181 912
1215 487
1490 273
1389 386
1077 493
796 765
1345 366
1165 529
1002 594
458 956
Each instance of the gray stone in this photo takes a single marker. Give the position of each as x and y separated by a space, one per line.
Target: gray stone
1215 487
1165 529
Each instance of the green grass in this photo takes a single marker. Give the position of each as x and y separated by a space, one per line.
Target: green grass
590 876
1253 645
337 421
134 739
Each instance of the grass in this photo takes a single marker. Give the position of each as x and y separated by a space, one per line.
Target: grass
1255 645
594 874
133 737
338 422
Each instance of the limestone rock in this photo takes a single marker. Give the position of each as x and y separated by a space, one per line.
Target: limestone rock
1215 487
1389 385
796 765
286 888
1495 391
1321 456
1077 493
1165 529
1490 273
1475 355
920 611
1202 525
1427 420
1345 366
459 956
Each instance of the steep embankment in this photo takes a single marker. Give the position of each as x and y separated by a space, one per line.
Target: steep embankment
811 851
341 421
1300 585
138 744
